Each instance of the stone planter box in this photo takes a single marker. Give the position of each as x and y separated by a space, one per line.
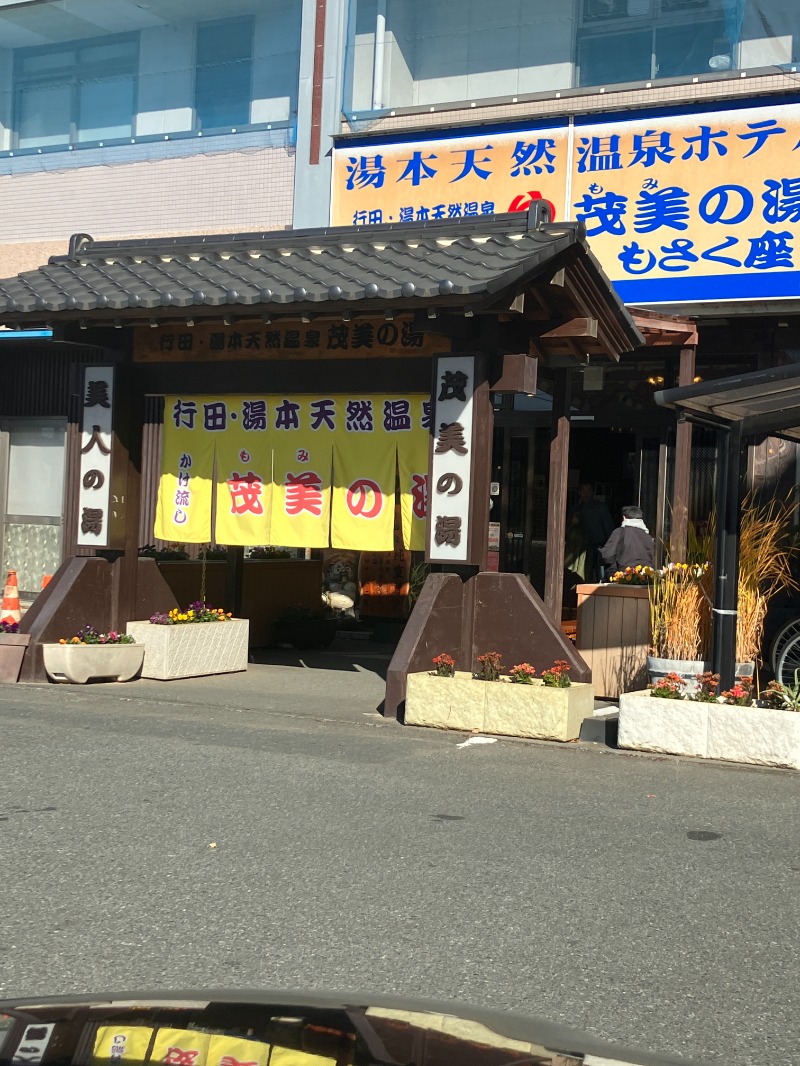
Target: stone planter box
709 730
688 669
76 664
463 703
12 652
193 649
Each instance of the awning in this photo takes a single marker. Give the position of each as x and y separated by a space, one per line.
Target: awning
541 274
765 401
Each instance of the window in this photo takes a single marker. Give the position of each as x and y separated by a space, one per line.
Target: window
73 93
223 80
635 40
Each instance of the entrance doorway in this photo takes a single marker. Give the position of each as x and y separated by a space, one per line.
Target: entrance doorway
612 460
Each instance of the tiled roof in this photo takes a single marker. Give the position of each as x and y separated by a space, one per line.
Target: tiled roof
466 261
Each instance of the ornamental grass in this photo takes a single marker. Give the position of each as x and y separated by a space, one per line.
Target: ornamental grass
680 611
681 594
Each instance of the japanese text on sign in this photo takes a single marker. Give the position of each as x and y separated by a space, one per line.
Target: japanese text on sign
94 495
703 206
452 460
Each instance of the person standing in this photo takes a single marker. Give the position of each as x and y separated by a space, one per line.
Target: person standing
630 544
593 519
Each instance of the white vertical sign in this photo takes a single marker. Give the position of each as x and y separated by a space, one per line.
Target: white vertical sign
97 413
449 490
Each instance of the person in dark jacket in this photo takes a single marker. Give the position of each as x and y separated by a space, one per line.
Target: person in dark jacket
630 545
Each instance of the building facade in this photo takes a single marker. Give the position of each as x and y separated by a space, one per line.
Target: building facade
669 127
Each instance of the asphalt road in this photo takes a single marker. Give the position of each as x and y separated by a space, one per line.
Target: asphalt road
653 902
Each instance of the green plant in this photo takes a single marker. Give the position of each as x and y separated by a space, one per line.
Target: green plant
633 575
490 666
783 697
445 665
266 551
707 686
170 553
668 688
199 611
522 674
89 635
557 676
212 553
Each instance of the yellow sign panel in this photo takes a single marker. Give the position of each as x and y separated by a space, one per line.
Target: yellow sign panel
276 461
187 466
180 1047
450 177
230 1051
678 207
121 1044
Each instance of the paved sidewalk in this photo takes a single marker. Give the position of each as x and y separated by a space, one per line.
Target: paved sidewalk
344 683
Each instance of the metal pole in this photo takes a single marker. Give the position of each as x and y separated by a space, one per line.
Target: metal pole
726 563
379 56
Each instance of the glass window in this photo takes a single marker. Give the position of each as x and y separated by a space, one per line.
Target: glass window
407 53
223 80
36 469
84 92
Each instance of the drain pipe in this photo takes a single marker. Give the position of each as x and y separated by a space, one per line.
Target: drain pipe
378 56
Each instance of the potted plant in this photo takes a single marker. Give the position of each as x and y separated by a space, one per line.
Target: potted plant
681 595
734 726
520 704
198 640
93 656
267 551
12 651
306 627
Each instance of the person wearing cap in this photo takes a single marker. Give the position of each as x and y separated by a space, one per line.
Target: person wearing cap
630 544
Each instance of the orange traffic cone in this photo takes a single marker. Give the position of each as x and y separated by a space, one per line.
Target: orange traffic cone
10 611
46 579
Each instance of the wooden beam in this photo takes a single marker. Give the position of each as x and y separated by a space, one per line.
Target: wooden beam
576 327
683 461
557 495
516 373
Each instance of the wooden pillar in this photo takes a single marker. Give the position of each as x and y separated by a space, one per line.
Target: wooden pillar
234 573
661 500
126 498
557 494
683 459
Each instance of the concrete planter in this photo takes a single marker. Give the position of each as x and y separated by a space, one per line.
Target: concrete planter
709 730
463 703
193 649
75 664
688 670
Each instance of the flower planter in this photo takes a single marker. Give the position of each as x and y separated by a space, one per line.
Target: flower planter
534 711
688 669
537 710
446 702
709 730
193 649
12 652
76 664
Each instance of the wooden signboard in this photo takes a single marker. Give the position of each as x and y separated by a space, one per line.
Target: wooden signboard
366 338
